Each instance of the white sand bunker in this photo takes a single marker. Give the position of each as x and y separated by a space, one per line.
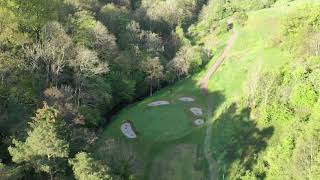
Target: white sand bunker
128 131
186 99
196 111
199 122
159 103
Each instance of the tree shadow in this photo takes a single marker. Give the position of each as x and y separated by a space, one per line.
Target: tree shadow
237 141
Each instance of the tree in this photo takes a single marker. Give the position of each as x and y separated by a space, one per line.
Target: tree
9 29
152 43
154 72
104 42
177 12
84 23
303 98
86 64
86 168
72 6
240 18
33 14
9 66
188 59
114 17
311 44
8 172
179 66
123 161
123 88
53 49
306 156
46 145
145 40
301 30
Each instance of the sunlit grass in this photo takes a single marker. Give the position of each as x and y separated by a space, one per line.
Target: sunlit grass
161 129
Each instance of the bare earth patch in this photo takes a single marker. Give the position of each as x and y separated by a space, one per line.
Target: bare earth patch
127 130
196 111
199 122
186 99
158 103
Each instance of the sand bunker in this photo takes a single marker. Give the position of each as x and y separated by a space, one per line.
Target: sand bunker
128 131
186 99
196 111
199 122
159 103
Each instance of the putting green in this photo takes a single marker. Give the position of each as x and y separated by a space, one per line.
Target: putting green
159 123
163 122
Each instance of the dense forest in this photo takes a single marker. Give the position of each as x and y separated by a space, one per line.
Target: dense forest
68 66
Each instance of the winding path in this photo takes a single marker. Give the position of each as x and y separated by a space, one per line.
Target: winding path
205 80
204 86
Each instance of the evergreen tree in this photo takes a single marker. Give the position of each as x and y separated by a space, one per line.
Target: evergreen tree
86 168
45 146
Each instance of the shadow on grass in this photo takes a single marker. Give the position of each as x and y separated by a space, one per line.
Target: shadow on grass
197 167
183 170
236 141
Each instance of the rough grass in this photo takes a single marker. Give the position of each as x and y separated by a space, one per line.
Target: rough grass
169 162
162 131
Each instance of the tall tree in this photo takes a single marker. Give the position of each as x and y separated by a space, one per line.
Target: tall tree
86 65
86 168
33 14
153 69
51 50
45 146
180 64
306 156
9 29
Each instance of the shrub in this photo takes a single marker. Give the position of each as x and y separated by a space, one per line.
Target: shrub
92 116
301 30
276 112
240 18
303 96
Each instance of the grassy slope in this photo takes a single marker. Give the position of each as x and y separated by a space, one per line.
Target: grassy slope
166 134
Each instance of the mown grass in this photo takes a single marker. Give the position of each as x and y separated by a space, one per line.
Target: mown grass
163 130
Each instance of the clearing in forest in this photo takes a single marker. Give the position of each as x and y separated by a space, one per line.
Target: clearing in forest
167 135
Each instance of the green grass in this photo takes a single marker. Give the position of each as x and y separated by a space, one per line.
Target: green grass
162 131
160 123
171 159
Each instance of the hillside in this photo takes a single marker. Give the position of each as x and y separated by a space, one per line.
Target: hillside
159 89
168 141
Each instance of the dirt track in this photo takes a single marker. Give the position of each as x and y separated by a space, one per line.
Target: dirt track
217 64
213 174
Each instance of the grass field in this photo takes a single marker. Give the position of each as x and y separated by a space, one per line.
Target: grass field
167 139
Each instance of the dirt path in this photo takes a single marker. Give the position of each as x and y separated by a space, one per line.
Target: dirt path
213 174
205 81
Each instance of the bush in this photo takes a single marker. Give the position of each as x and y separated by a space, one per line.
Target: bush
92 116
301 31
276 112
303 96
240 18
222 28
